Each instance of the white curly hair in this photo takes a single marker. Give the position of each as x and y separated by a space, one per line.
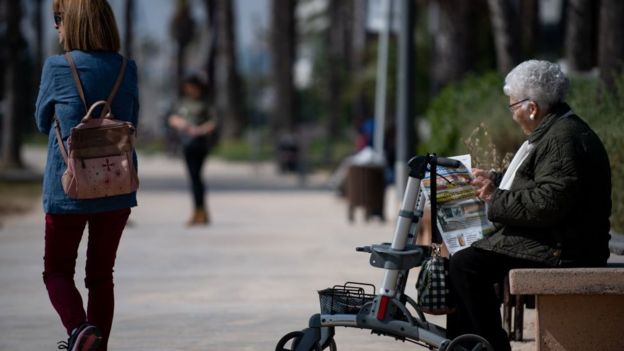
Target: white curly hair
539 81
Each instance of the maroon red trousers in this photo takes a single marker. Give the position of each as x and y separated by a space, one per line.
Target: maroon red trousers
63 233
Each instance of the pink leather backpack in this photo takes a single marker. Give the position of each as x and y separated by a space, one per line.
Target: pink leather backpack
99 155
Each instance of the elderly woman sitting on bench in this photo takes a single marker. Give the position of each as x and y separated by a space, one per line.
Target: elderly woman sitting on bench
552 204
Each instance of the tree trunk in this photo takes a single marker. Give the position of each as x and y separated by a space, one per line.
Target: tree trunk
358 54
580 35
11 131
182 28
611 45
3 52
338 58
211 58
451 42
38 26
230 101
506 35
129 24
283 36
529 28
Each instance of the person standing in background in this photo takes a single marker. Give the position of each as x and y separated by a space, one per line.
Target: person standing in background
196 127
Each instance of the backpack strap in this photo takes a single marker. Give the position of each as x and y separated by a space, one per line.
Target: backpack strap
74 71
113 92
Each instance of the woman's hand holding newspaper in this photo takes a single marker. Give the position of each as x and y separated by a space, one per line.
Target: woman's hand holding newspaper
485 186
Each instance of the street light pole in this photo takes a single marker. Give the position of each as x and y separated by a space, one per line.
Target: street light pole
405 103
382 75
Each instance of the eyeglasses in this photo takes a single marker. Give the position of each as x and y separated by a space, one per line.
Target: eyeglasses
512 106
58 18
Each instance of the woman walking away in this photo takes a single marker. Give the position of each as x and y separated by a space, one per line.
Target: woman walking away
196 128
88 34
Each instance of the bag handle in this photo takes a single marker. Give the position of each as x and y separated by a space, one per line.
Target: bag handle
86 118
106 107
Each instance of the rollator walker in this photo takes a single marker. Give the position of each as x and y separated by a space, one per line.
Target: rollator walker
385 311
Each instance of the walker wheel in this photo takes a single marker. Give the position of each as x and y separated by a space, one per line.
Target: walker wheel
292 339
469 342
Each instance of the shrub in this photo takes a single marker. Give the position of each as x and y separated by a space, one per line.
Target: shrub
475 102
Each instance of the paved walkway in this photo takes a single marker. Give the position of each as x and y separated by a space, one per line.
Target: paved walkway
239 284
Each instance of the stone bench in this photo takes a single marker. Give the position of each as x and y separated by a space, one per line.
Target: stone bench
577 308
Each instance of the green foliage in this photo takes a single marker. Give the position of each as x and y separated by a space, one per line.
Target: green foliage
458 113
602 109
256 148
463 106
342 148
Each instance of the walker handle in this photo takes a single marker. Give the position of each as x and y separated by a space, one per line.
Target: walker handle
448 162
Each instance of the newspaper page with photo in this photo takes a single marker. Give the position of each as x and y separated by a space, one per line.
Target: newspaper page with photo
461 217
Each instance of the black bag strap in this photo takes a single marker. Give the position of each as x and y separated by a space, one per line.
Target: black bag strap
436 237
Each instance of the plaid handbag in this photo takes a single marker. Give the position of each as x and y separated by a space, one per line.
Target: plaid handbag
434 295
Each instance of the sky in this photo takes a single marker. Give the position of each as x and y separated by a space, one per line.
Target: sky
153 16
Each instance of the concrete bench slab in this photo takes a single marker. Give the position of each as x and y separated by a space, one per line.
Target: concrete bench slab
577 308
567 281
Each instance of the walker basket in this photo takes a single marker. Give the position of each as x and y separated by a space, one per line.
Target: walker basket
345 299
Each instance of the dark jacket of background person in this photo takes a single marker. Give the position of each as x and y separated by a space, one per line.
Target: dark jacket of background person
58 95
557 210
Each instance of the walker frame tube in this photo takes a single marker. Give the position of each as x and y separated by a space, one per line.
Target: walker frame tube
396 259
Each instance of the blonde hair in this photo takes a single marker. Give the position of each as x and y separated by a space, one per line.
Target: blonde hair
89 25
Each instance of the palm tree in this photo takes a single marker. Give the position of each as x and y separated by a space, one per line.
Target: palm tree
338 35
229 93
38 26
283 34
358 50
505 26
129 24
610 44
580 34
15 45
529 27
451 42
182 28
210 8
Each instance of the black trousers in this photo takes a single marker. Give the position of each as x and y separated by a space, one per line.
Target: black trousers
195 154
473 273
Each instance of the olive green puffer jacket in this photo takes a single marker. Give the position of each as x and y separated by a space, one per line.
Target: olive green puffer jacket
558 207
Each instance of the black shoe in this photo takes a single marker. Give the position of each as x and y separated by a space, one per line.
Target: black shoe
86 337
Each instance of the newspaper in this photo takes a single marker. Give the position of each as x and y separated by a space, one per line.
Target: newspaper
461 217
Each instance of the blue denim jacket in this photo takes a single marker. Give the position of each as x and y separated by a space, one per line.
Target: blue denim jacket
58 95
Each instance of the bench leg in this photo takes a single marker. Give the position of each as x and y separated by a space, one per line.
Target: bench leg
518 318
507 326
